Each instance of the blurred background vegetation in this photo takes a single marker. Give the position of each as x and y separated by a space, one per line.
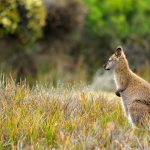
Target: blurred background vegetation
69 40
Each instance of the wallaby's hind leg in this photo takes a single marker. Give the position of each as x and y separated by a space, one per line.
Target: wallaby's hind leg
139 113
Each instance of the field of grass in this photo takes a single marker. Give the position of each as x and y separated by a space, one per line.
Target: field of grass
65 117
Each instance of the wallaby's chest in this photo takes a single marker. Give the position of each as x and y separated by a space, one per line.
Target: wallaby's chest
124 103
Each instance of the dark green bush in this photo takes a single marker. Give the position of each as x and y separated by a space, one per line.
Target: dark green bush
22 19
121 18
33 28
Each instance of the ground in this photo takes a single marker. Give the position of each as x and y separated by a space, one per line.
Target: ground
64 117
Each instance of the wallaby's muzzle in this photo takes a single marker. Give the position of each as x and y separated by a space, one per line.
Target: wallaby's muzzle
105 67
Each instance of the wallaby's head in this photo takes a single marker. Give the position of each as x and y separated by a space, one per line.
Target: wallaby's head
114 59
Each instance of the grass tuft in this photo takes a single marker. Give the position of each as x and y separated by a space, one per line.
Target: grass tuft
65 117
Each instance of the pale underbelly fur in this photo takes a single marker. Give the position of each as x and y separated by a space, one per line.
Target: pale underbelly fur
125 109
124 104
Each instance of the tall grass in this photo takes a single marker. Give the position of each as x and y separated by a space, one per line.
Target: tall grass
64 117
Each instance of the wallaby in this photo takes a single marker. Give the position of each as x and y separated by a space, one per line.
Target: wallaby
134 91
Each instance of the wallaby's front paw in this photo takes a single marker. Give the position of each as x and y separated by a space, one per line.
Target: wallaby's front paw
118 93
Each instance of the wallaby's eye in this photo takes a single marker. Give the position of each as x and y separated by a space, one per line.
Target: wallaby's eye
110 59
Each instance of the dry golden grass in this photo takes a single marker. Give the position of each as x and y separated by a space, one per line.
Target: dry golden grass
65 117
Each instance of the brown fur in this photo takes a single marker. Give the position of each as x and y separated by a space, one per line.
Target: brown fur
134 90
139 113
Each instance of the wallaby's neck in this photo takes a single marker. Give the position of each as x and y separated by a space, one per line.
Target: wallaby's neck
122 70
122 65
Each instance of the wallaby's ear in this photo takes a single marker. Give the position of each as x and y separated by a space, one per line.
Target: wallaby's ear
118 51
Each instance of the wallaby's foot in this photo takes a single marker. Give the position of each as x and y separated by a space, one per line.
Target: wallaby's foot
118 92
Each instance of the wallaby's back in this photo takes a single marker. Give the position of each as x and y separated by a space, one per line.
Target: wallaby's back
137 89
